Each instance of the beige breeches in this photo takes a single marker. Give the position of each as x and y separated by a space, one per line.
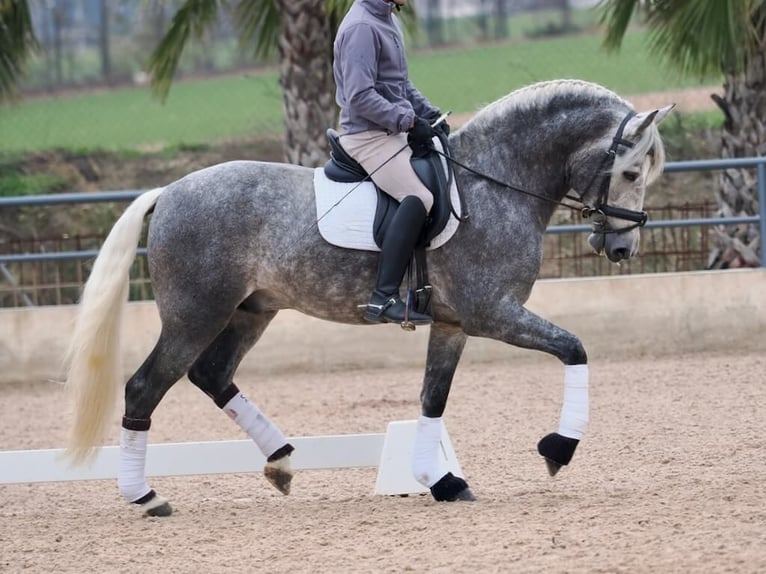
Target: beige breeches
396 177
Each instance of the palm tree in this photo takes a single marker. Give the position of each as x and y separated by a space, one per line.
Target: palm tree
302 32
726 38
17 42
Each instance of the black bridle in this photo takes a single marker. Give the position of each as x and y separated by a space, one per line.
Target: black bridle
599 213
601 210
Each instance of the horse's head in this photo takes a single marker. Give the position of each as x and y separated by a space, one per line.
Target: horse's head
627 160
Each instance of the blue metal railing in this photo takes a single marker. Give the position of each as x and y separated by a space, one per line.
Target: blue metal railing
759 163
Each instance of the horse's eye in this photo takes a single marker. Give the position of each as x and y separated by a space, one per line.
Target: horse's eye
630 175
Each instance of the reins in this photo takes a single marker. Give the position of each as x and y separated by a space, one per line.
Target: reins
508 185
597 214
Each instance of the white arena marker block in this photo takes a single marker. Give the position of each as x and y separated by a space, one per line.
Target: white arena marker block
395 468
193 458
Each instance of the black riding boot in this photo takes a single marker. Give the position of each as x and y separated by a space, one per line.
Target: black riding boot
385 305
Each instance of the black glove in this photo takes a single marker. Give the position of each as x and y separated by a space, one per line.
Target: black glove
421 132
442 128
420 136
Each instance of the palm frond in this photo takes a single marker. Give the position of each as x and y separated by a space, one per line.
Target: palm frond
699 37
336 9
17 42
258 23
191 19
616 16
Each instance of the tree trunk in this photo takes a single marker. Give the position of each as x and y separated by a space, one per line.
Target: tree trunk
743 135
566 16
501 19
482 20
306 79
434 23
58 49
103 42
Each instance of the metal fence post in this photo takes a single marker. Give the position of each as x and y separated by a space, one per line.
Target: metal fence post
761 182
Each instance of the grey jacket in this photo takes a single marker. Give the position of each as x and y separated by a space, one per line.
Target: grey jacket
370 68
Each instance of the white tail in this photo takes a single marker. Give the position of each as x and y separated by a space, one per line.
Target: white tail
95 369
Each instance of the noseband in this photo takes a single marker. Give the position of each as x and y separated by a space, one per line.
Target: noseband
599 213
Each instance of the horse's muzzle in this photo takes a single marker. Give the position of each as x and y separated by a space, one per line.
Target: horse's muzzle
616 248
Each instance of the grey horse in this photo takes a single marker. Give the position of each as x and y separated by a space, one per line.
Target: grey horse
232 244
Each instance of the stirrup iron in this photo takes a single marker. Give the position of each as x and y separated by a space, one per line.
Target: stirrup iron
408 325
380 309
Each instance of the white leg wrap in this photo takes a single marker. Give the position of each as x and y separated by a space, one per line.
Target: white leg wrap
131 478
257 426
427 467
574 411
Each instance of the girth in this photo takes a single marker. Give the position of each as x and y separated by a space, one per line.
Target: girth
343 168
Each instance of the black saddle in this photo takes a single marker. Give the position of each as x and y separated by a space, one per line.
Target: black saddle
343 168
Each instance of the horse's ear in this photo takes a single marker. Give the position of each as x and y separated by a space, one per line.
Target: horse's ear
652 117
662 113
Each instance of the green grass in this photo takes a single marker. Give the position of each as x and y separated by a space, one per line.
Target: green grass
195 113
465 80
13 184
201 112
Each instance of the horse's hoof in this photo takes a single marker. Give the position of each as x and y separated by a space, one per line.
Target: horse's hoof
552 466
157 506
450 488
279 474
557 450
162 510
466 495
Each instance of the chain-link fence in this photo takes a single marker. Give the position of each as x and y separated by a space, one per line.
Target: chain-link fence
661 250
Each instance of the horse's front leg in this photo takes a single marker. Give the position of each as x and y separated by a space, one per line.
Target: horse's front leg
445 346
512 323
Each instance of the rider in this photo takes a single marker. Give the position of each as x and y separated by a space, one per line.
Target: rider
380 113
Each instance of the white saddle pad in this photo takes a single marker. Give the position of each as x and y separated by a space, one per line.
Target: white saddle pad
345 217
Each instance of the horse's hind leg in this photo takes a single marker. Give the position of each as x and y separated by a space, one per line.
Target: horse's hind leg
167 363
213 373
445 346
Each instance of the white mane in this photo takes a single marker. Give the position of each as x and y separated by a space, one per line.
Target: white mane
541 93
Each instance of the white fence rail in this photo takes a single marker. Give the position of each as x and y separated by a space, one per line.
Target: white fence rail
391 453
192 458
